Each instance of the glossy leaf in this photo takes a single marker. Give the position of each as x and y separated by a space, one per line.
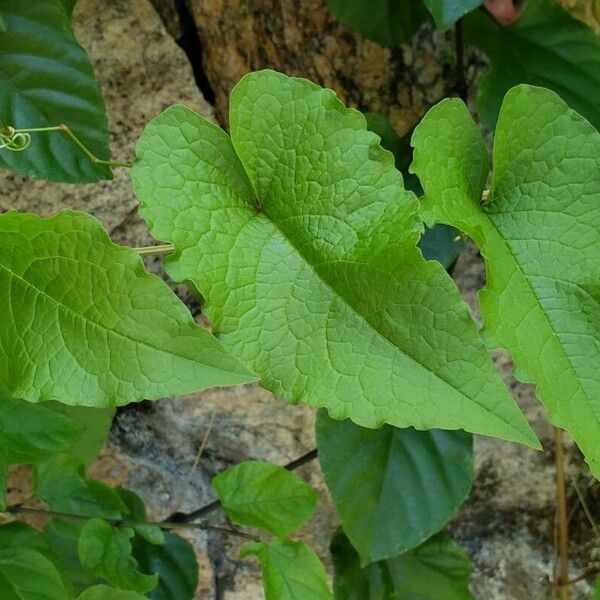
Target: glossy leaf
387 22
290 570
393 488
266 496
546 46
28 575
539 233
105 551
437 568
105 592
446 12
46 79
300 236
174 562
78 309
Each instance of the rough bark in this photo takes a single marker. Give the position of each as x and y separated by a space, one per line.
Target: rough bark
303 38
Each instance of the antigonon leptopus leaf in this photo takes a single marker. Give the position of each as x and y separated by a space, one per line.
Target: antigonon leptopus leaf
302 239
539 233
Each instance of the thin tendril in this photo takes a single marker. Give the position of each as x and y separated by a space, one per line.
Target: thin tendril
15 141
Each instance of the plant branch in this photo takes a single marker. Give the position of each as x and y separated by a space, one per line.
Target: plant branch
167 525
563 524
216 504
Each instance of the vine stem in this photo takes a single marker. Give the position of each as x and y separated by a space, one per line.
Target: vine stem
65 129
18 509
563 522
155 250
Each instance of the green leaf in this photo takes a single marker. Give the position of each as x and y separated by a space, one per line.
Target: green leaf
27 575
136 511
46 79
546 46
596 595
62 536
446 12
79 310
290 570
20 534
393 488
96 423
538 233
33 432
105 592
176 565
61 484
304 246
387 22
2 24
437 564
266 496
105 551
439 243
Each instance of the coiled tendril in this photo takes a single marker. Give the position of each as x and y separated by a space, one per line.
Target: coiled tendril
16 141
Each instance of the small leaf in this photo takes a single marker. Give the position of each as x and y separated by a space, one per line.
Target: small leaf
290 570
301 217
105 551
105 592
174 562
27 575
393 488
387 22
135 507
546 46
61 484
437 564
266 496
539 235
46 79
33 432
151 533
78 309
446 12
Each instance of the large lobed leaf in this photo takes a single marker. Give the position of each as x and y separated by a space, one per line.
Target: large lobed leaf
546 46
540 235
393 488
298 232
46 79
85 324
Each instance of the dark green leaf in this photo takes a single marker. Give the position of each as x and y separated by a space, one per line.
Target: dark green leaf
135 507
105 592
34 432
387 22
46 79
546 46
96 423
105 551
266 496
176 565
393 488
2 24
437 569
23 535
290 570
61 484
27 575
446 12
